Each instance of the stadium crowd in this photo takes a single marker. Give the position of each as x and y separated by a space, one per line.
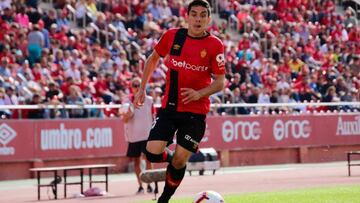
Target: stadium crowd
288 51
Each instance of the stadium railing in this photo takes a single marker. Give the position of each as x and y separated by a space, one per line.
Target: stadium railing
97 30
115 31
72 12
260 108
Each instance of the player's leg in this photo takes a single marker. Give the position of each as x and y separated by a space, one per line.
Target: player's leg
162 131
191 128
175 173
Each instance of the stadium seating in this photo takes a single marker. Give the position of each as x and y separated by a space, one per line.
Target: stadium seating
87 51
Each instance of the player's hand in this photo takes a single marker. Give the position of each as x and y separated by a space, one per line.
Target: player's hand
189 95
139 98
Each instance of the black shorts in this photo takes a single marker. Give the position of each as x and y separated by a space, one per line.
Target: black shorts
135 148
189 128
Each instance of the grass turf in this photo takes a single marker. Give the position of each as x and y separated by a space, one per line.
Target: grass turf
338 194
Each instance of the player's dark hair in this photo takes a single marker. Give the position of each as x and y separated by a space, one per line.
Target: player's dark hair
202 3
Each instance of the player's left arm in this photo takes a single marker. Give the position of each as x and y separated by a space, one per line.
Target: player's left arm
217 85
217 62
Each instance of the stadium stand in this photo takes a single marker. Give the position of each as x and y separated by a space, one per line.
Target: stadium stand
86 52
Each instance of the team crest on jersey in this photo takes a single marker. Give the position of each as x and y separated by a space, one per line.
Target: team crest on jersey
203 53
176 47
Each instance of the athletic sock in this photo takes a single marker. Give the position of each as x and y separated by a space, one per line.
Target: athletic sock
173 179
167 155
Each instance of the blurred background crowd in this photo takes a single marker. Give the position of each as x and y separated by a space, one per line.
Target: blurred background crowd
87 51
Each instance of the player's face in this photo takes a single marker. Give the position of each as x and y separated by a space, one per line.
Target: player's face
198 21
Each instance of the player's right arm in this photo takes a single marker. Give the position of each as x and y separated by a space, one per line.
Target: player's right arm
150 66
160 50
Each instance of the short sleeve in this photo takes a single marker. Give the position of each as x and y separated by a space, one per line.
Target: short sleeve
218 58
163 47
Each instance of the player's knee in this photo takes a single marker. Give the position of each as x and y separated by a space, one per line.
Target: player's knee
178 162
155 158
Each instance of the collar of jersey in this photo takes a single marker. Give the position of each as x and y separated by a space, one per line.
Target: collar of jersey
207 34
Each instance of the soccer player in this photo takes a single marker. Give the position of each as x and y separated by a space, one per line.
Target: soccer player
196 69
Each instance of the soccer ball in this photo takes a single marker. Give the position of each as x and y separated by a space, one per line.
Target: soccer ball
208 197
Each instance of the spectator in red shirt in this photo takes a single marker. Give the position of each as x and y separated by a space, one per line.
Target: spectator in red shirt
36 71
66 85
102 88
244 42
122 8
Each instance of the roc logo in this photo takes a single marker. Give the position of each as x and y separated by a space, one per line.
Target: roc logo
176 46
203 53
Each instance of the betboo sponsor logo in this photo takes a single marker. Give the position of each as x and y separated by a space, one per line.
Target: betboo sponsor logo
345 128
291 128
188 66
247 130
72 138
7 134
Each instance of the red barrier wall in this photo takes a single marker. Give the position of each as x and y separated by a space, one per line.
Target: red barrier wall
258 132
240 140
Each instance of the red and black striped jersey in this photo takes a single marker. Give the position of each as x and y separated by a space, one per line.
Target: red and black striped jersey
190 68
